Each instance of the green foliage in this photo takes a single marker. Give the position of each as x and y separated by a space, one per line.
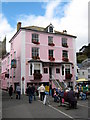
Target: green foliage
81 58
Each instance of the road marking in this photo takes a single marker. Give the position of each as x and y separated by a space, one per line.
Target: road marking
83 105
58 110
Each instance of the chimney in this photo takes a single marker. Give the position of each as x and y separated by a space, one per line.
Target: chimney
18 25
64 31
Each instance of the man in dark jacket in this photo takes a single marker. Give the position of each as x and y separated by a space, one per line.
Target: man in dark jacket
33 91
30 93
10 91
71 99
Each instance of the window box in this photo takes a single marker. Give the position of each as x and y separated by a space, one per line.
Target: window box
51 44
65 59
37 76
65 45
35 42
51 58
36 57
68 76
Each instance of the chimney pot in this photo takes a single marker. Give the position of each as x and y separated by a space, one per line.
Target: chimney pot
18 25
64 31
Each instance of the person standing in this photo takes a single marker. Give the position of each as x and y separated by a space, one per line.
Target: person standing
29 90
42 92
76 91
38 89
50 88
18 90
71 98
60 94
33 91
10 91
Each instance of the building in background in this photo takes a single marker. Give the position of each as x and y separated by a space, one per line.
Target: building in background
39 55
2 53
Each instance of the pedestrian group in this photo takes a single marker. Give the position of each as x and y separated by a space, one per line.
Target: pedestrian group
60 95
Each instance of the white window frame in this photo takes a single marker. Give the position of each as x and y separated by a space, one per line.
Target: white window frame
35 52
50 39
35 37
51 54
63 52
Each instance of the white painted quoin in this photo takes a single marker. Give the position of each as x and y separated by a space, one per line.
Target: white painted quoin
40 54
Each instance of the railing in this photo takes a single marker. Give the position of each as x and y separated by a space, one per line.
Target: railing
57 83
62 83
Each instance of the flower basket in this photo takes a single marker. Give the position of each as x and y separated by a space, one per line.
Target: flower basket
37 76
35 42
65 45
51 44
68 76
51 58
65 59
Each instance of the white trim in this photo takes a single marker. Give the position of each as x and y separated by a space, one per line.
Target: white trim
41 69
23 60
29 69
75 63
34 45
45 60
32 68
70 69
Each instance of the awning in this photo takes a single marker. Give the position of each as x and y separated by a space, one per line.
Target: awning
82 80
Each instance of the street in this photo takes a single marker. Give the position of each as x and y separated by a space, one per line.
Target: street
12 108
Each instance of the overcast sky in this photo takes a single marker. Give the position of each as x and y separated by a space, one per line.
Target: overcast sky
70 15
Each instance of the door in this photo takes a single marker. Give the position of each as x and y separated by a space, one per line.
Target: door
50 72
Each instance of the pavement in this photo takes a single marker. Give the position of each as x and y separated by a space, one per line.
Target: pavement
13 108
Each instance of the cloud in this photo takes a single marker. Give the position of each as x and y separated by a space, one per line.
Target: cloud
74 20
51 7
5 30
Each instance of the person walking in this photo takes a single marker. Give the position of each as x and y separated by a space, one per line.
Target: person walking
38 89
33 91
71 98
10 91
29 90
42 92
76 91
18 90
60 94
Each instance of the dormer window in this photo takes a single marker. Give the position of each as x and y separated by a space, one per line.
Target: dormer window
51 29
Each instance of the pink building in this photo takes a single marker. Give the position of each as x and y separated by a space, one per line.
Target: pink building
39 55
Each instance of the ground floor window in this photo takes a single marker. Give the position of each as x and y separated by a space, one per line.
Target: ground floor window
45 70
62 69
30 69
67 69
57 70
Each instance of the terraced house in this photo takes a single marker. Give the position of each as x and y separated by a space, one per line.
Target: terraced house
40 55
